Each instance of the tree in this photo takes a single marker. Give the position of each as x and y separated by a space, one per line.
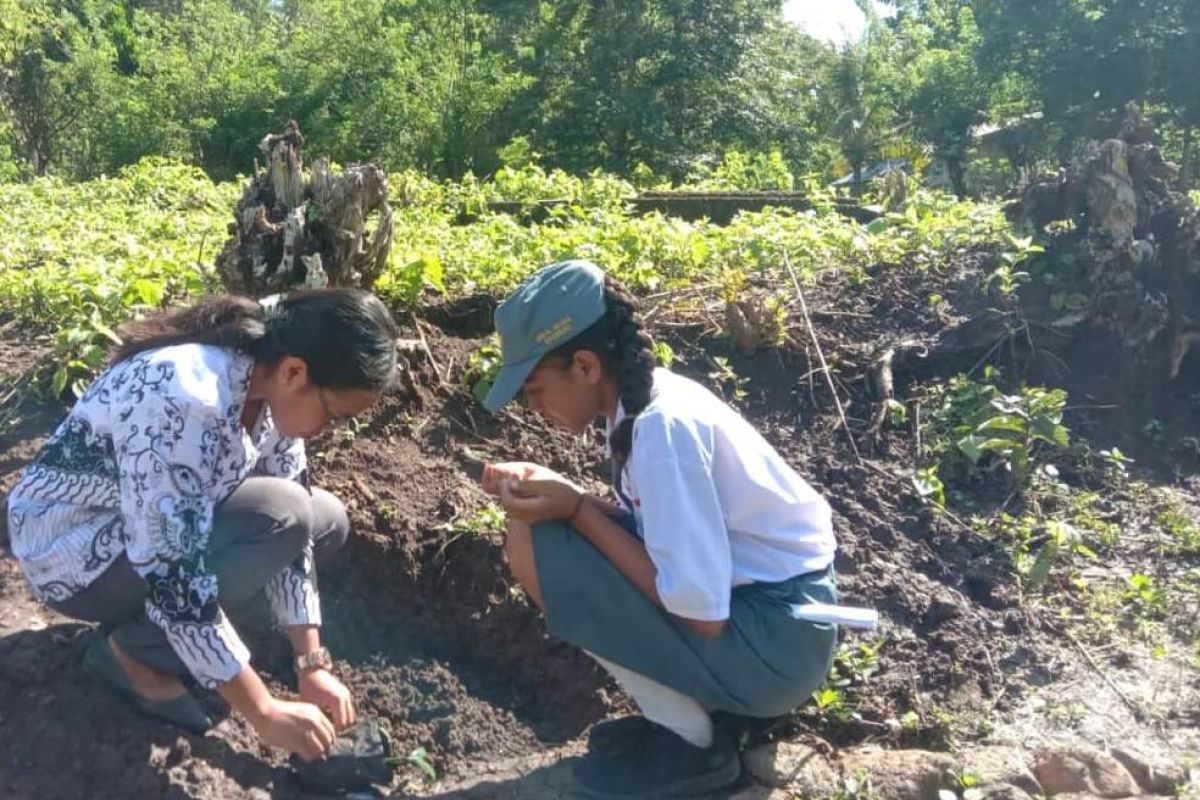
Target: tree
1082 61
1181 65
858 104
641 81
51 78
773 98
418 83
946 96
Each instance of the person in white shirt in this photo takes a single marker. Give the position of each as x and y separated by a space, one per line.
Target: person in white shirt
175 495
685 591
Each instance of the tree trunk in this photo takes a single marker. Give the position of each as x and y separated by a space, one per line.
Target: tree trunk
1137 242
1189 153
958 176
858 171
291 232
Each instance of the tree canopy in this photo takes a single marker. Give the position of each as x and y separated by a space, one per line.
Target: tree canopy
452 86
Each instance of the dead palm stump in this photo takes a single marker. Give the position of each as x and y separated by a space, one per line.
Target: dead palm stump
295 231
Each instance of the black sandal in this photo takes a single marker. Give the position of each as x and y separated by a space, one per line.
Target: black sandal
183 711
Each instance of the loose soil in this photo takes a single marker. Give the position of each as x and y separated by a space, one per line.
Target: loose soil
437 642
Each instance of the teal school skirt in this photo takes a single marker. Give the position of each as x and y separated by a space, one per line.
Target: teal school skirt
764 663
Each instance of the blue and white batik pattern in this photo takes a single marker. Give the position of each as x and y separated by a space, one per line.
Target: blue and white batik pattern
137 468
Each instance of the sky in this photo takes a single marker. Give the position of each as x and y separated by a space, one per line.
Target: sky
833 20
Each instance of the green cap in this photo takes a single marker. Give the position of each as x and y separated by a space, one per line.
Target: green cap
548 309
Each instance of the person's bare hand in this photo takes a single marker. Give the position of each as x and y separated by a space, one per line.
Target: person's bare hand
322 688
299 728
493 474
541 499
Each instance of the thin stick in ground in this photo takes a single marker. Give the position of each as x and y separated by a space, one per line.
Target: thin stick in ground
837 399
442 379
1138 713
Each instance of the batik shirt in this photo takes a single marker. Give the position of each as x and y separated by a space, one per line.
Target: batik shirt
136 469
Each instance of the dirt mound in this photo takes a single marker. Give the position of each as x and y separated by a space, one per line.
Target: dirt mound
437 642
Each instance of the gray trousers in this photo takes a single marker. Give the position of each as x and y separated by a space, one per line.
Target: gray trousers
258 530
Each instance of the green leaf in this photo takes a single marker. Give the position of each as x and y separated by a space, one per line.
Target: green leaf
147 292
1003 424
59 382
1046 429
420 758
877 226
107 333
93 355
1040 571
970 447
434 273
1003 446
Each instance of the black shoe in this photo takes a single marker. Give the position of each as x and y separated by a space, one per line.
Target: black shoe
183 711
659 767
609 737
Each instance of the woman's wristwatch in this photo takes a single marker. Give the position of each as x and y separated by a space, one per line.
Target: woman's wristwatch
317 659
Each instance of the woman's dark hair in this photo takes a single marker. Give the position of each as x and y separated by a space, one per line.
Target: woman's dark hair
345 336
625 351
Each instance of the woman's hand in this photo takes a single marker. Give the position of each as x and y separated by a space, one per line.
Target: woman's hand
322 688
541 499
299 728
494 474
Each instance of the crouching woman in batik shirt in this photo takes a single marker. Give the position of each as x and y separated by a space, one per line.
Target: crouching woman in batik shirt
175 493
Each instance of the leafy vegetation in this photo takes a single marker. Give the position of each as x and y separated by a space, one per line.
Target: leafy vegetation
725 95
84 257
853 665
992 431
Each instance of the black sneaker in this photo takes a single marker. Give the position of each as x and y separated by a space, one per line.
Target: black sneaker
660 767
609 737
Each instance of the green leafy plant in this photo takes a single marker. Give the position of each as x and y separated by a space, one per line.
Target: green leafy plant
1018 423
1006 429
487 521
420 759
664 354
731 384
1145 597
1035 544
832 705
1007 278
967 786
929 487
81 350
856 786
1116 462
852 666
1179 525
897 412
483 366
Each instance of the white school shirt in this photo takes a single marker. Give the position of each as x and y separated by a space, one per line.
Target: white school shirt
137 469
715 504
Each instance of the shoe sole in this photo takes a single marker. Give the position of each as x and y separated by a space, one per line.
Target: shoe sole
696 786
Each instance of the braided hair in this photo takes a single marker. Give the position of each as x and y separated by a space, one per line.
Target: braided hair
626 353
345 336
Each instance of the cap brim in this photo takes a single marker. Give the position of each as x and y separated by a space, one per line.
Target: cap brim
508 383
